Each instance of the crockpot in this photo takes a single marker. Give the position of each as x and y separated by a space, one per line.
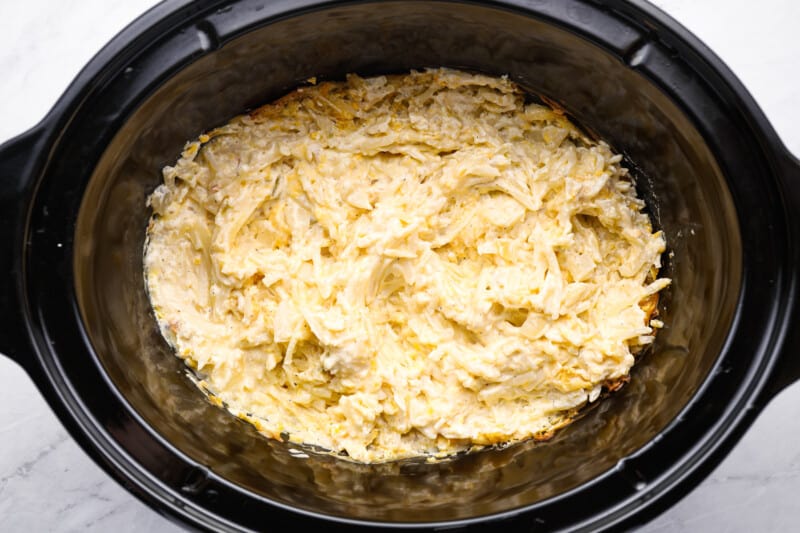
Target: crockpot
713 172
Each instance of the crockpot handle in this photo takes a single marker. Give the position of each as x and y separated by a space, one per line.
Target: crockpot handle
17 163
787 367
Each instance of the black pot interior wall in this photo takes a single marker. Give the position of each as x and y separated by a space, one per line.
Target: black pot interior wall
676 172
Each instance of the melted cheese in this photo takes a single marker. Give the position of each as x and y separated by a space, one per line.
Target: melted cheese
401 266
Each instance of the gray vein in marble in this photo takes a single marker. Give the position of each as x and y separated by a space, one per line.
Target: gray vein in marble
25 468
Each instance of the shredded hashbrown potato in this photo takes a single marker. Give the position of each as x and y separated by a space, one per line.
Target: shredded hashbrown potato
404 265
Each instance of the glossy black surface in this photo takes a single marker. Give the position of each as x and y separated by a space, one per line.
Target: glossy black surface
713 173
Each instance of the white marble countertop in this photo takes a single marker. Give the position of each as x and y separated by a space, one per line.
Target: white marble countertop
47 483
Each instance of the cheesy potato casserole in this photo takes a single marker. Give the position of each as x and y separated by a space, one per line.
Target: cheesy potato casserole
406 265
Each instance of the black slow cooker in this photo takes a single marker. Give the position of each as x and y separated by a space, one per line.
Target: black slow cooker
714 175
